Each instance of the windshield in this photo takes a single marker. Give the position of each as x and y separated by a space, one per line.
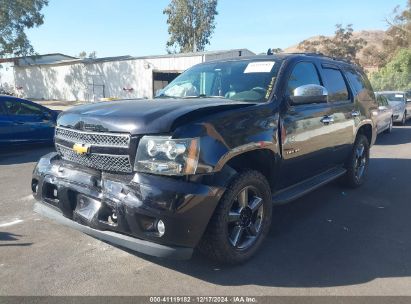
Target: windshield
243 80
394 96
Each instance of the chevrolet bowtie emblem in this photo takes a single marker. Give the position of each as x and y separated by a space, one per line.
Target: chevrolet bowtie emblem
81 149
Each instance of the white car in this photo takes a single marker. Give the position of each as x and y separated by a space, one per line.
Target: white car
398 102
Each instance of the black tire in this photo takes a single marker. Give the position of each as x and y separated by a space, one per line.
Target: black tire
217 242
404 119
355 176
389 130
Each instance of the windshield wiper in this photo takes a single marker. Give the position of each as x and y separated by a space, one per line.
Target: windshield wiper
164 96
206 96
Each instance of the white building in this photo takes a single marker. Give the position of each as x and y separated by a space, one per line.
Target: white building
7 77
116 77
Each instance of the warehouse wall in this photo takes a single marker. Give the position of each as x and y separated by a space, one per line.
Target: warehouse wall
74 81
6 76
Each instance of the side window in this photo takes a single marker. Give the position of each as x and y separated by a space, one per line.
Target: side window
361 85
381 100
335 84
303 73
21 108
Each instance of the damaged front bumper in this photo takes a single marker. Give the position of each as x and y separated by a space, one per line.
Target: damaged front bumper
125 209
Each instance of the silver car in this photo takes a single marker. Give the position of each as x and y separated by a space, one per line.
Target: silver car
383 114
398 101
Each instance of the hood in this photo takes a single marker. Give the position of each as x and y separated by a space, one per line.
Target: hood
143 116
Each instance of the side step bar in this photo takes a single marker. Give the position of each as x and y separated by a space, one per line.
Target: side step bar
296 191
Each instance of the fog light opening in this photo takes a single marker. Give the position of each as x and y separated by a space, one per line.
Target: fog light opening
161 228
113 218
34 186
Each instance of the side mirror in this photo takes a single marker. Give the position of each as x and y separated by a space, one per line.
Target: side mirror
408 99
46 116
159 92
310 93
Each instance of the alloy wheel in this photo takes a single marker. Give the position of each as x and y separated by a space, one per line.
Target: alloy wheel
245 218
360 162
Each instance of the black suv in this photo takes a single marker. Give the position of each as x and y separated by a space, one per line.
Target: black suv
202 164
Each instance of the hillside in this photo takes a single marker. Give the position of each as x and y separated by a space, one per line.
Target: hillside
374 39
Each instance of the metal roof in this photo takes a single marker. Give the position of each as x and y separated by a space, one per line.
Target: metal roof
74 60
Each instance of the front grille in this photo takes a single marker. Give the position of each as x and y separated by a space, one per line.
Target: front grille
104 162
93 138
108 151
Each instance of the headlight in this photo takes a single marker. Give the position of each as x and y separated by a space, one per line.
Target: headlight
163 155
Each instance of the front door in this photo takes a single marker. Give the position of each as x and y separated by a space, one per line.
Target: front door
31 122
305 131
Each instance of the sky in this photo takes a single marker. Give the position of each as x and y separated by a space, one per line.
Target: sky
139 28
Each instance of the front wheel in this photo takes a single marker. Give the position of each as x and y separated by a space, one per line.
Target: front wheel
241 220
404 119
389 130
357 164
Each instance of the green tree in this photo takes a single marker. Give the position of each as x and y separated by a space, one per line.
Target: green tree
341 45
83 55
396 75
399 31
15 17
190 24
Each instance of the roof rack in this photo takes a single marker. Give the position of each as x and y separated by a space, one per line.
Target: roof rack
323 55
270 52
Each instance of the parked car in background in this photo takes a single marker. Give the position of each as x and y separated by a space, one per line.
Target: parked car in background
383 115
397 100
408 101
23 121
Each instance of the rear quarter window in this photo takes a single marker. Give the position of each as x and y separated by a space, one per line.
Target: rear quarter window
361 85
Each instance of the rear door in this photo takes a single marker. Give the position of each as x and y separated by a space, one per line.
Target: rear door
341 109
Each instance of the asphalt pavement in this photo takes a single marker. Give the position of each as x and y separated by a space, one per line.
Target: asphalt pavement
334 241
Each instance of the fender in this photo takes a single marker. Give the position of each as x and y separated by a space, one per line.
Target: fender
232 133
373 129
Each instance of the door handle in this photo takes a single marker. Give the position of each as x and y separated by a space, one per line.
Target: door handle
355 113
327 120
18 123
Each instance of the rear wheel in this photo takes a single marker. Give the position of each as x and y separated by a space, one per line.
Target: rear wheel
241 220
404 118
357 164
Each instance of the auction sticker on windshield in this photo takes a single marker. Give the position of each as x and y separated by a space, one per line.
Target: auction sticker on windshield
259 67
